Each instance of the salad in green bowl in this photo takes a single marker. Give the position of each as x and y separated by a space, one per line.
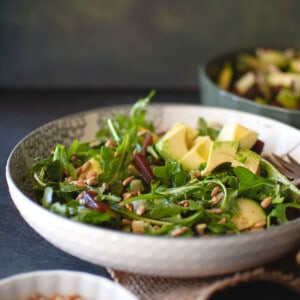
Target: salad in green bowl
266 76
210 180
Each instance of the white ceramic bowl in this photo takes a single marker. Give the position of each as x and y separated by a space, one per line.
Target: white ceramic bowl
176 257
88 286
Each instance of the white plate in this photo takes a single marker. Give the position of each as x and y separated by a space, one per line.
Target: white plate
88 286
179 257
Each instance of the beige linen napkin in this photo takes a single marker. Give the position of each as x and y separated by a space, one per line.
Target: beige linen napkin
146 287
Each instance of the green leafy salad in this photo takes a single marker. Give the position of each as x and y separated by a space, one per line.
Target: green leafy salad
182 182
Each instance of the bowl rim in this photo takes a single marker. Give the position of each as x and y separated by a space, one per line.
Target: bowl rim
52 272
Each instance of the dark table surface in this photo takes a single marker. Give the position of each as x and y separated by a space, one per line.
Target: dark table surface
21 248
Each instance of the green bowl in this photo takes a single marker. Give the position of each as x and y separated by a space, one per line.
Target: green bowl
212 95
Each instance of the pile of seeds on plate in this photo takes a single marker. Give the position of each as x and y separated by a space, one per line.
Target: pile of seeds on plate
55 297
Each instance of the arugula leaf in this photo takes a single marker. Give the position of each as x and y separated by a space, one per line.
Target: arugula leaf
252 186
80 149
60 155
131 215
115 167
204 129
195 218
171 174
163 210
279 213
274 174
139 110
116 135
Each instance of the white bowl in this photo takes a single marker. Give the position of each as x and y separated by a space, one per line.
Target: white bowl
176 257
88 286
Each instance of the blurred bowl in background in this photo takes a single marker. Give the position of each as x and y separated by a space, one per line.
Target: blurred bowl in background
213 95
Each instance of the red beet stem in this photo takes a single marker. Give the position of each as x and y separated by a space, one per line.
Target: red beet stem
143 166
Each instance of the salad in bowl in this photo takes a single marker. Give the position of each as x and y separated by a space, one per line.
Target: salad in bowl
185 181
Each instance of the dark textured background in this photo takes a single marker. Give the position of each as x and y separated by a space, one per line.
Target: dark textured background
132 43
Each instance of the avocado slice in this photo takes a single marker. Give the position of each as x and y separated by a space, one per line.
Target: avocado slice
248 159
197 154
176 142
250 213
220 152
234 131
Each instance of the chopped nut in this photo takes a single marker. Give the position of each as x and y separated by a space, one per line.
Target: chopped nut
217 198
266 202
140 210
131 167
200 228
82 176
54 297
78 171
184 203
92 181
127 180
79 184
86 166
222 221
91 173
197 173
135 152
179 231
138 226
129 206
215 191
215 210
126 196
260 224
126 221
110 143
